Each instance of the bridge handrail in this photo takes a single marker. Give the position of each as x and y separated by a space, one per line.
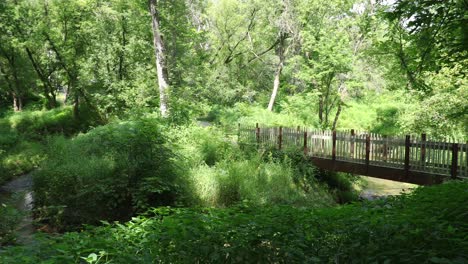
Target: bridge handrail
409 153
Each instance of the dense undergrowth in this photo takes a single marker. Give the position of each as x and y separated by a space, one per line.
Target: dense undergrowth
427 226
21 135
133 165
109 173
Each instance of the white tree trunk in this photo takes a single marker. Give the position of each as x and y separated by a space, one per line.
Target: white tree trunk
276 84
159 50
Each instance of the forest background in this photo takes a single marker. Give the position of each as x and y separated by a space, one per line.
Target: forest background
385 67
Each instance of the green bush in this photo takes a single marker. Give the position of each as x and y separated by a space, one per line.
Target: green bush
41 122
201 145
427 226
109 173
306 175
9 220
19 159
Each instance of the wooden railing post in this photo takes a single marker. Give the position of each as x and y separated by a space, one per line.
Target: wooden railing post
352 144
280 137
385 148
453 171
334 145
257 134
305 143
407 154
298 135
367 151
423 150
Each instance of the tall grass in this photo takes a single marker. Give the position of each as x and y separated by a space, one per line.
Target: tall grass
254 181
221 174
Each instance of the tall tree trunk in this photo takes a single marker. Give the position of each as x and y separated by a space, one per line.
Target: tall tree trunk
337 116
159 51
17 102
320 110
279 69
276 84
48 88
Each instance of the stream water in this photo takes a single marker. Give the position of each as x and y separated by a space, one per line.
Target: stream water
19 192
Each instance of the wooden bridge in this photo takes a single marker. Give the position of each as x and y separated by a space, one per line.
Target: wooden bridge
409 159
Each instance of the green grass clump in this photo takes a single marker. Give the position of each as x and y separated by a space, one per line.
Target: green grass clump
109 173
42 122
221 174
427 226
256 181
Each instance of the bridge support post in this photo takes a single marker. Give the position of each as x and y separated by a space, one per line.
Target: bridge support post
352 144
453 171
305 143
407 154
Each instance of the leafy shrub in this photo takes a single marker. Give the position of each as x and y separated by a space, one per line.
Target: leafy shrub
19 159
307 175
33 123
9 219
108 173
8 136
201 145
427 226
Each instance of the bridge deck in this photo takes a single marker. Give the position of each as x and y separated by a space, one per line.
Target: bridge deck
413 160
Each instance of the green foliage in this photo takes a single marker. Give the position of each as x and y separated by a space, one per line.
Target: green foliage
125 167
38 123
22 135
219 174
24 157
423 227
306 175
256 181
251 114
9 220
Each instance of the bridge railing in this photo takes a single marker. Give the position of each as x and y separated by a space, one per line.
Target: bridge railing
409 153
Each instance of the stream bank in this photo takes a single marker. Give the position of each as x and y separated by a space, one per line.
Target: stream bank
375 188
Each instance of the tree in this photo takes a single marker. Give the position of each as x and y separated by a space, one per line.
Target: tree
287 29
160 56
